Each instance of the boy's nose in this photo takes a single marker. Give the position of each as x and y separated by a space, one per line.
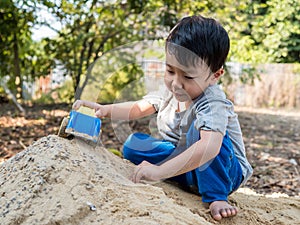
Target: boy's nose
177 83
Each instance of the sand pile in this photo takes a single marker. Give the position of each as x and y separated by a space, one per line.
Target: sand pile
59 181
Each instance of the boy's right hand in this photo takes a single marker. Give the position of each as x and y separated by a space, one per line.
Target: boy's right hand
100 110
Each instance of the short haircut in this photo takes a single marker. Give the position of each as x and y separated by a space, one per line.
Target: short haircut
204 38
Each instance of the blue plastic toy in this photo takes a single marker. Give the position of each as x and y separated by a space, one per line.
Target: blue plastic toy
80 125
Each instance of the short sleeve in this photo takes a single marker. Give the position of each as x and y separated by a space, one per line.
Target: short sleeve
156 98
212 113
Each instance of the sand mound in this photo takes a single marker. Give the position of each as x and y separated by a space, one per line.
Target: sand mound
58 181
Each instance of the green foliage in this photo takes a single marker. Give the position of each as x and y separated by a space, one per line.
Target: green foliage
64 94
126 84
260 32
268 32
93 28
44 99
20 58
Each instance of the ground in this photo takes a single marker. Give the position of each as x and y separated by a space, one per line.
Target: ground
66 182
272 139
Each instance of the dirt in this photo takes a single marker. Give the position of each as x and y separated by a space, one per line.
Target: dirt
63 177
60 181
272 139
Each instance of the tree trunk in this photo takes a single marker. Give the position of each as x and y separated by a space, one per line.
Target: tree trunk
12 97
17 70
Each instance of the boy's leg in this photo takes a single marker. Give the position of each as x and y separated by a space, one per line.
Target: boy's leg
222 176
139 147
218 178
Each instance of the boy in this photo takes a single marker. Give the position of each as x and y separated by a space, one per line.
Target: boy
200 144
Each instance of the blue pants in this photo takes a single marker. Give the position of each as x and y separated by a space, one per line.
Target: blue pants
214 181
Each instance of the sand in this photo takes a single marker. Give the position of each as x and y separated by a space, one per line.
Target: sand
60 181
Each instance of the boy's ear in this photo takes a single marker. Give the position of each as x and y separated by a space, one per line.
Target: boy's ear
215 77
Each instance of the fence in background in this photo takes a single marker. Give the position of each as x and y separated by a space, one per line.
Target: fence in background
278 86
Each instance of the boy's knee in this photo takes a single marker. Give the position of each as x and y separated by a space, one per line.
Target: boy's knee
133 143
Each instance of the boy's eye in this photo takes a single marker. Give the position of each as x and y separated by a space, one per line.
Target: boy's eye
189 78
170 71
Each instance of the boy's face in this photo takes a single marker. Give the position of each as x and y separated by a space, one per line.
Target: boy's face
187 83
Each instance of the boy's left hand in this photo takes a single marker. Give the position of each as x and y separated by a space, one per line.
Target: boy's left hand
146 171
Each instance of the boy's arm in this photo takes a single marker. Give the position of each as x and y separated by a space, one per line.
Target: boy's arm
127 110
195 156
122 111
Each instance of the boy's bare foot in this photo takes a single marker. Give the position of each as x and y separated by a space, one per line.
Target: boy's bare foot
221 209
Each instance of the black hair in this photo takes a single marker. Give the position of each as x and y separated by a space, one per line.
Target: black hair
201 37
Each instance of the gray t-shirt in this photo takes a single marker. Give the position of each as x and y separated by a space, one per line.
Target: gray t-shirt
210 111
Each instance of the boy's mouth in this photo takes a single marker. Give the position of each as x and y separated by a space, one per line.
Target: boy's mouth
179 92
180 95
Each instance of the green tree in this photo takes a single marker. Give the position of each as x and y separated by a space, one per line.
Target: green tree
92 28
21 58
14 31
260 31
265 32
